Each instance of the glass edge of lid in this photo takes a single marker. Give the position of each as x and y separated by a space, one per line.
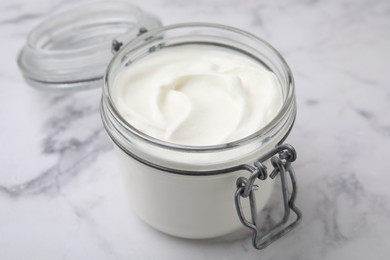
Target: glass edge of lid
55 58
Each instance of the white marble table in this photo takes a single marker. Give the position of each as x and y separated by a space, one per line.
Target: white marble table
61 195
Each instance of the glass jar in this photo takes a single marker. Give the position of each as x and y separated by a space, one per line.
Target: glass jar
204 191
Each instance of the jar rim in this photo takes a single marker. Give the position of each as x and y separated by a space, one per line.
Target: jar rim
288 104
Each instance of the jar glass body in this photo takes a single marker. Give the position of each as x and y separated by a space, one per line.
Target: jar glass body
188 191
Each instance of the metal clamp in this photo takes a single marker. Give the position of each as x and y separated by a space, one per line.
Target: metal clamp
281 157
116 45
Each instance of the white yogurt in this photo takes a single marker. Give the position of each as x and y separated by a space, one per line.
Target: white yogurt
197 95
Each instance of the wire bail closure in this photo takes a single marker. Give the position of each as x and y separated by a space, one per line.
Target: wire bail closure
281 158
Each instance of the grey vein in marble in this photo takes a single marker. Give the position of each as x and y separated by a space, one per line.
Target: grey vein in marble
75 151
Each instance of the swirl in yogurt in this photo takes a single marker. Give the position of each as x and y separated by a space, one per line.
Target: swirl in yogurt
197 95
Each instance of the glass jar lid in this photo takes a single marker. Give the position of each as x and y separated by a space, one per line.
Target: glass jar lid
71 50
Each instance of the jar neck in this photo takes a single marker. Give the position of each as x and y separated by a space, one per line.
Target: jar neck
198 158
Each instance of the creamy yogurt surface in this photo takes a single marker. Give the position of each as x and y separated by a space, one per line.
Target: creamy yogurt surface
197 95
